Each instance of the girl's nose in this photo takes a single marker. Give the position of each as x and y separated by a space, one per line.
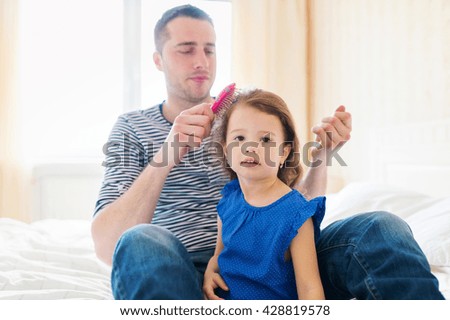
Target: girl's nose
251 147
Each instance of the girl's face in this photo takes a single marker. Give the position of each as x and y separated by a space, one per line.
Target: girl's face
255 143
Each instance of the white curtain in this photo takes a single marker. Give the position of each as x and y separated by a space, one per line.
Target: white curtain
270 51
13 189
387 61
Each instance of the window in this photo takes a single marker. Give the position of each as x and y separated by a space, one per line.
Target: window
70 77
72 71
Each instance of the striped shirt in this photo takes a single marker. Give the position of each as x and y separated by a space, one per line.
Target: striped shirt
187 204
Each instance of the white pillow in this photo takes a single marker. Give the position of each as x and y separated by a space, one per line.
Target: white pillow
361 197
431 228
428 217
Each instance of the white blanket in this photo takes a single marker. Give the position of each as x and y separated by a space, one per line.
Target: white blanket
50 259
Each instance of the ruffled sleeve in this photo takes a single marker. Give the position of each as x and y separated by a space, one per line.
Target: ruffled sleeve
314 208
319 204
228 192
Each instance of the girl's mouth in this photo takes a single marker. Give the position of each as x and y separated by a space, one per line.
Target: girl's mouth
249 163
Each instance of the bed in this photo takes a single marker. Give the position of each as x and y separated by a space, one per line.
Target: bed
50 259
55 259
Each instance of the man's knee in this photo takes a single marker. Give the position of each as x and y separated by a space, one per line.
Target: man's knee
147 233
151 263
147 239
387 222
387 228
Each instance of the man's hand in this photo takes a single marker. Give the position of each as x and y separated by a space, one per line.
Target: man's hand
333 132
189 129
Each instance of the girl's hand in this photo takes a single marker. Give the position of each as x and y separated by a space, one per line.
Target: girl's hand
212 280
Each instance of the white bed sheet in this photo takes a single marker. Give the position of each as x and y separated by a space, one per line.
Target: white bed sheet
50 259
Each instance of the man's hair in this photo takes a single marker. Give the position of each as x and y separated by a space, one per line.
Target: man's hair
161 35
272 104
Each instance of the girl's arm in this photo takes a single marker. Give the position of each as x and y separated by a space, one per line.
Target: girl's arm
212 278
304 258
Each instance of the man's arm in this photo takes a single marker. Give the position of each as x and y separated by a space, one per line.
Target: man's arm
134 207
138 203
332 133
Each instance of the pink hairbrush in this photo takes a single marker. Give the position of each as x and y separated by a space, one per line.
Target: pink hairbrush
224 99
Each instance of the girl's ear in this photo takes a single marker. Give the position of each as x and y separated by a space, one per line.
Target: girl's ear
286 151
157 59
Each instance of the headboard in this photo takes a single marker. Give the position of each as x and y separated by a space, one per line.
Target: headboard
414 156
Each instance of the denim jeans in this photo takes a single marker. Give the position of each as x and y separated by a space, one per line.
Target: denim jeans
149 262
367 256
374 256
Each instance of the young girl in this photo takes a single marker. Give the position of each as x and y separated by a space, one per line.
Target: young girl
266 230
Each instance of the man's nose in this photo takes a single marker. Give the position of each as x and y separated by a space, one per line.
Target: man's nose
201 60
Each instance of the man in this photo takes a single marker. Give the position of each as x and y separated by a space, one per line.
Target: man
155 219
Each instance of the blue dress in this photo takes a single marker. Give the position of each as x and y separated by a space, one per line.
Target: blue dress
255 240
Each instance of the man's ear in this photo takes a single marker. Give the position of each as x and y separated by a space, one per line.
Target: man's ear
224 149
157 59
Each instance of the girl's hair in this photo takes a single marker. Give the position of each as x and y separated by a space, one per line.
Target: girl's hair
272 104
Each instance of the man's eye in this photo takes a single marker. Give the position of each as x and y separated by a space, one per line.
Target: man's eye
190 51
210 52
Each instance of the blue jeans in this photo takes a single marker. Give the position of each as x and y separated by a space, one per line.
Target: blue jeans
367 256
149 262
374 256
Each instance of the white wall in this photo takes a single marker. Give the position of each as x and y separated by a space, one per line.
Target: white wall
65 190
388 62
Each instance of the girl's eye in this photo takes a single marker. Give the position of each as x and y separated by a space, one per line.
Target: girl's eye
265 139
239 138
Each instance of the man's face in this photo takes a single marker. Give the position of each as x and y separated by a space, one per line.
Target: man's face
188 59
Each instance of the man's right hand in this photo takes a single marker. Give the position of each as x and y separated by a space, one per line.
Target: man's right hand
189 129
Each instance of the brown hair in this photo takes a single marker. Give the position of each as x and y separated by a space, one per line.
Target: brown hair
161 35
272 104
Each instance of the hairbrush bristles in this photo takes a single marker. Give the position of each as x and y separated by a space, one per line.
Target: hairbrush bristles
224 99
